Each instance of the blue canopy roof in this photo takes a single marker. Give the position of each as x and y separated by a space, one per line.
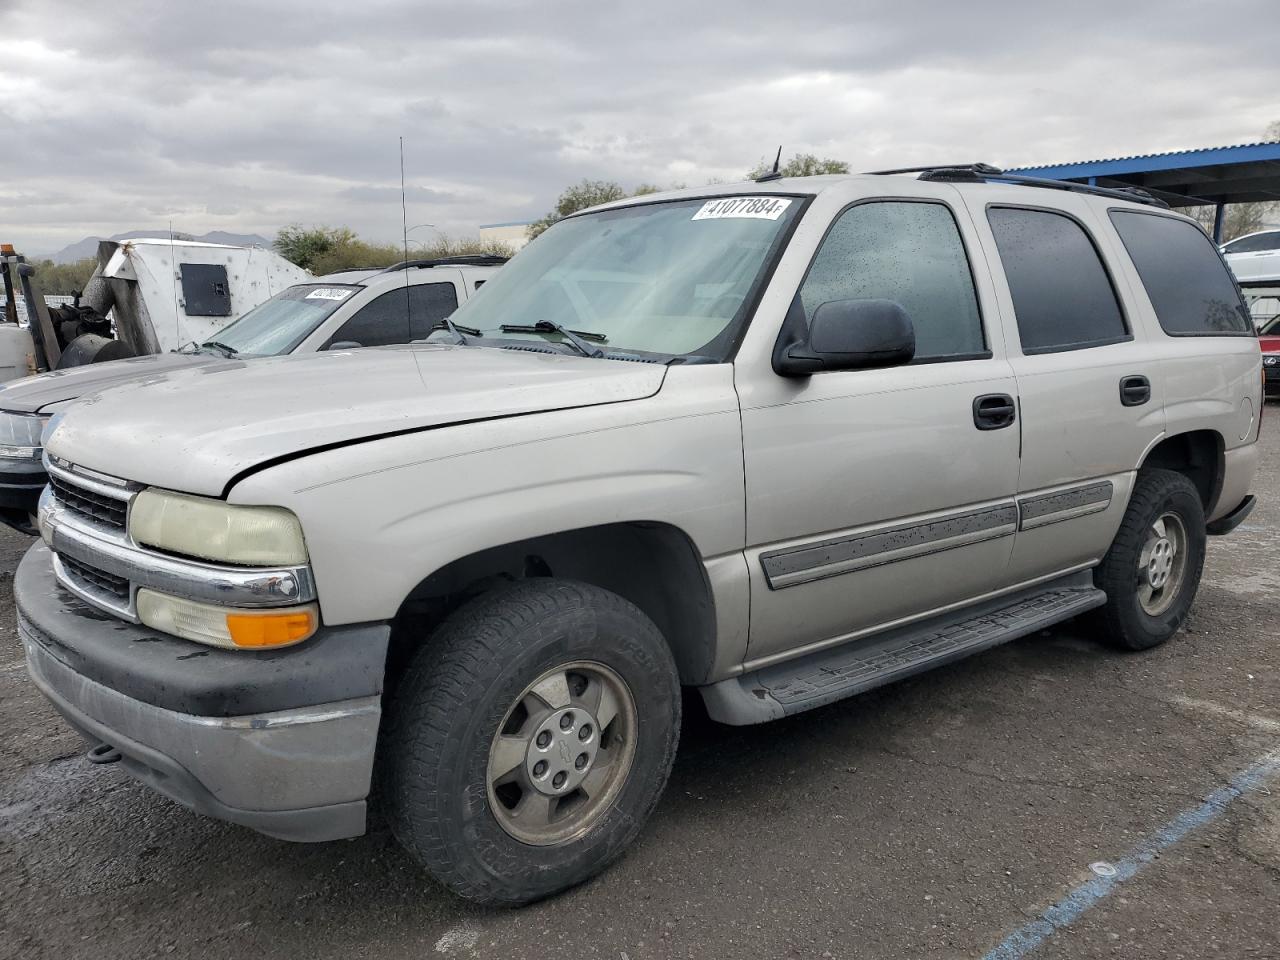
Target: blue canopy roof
1246 173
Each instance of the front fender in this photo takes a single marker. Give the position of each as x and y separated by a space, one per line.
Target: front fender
381 516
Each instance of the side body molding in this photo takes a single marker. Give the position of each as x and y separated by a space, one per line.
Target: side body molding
880 544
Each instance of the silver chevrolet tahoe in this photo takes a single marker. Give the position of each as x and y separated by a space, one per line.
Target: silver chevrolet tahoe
781 441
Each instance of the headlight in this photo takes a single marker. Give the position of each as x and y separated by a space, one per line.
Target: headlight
214 530
20 435
225 626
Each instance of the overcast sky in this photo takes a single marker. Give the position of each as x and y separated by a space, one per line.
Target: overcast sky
243 116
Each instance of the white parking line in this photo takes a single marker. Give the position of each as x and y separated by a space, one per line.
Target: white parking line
1030 936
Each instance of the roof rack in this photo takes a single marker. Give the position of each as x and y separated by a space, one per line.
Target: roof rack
971 168
464 260
984 172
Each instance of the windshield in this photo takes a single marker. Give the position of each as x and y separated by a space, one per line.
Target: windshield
1271 328
671 279
281 323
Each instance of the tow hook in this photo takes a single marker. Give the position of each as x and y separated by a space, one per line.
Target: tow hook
103 753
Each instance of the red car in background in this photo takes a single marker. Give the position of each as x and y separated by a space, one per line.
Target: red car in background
1269 337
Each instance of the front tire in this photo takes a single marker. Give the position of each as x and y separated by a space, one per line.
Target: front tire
1152 571
530 739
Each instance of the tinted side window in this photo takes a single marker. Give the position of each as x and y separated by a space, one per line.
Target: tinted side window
388 318
1062 296
908 252
429 303
1188 284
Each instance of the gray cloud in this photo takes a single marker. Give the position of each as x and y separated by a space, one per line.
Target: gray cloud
246 115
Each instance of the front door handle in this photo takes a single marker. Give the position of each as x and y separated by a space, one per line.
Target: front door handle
992 411
1135 390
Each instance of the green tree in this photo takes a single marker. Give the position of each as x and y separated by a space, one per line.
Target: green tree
355 253
303 245
63 279
800 165
588 193
330 249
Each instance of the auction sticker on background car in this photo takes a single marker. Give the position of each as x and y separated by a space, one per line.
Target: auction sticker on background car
758 208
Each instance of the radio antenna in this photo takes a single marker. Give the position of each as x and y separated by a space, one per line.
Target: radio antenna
775 173
404 223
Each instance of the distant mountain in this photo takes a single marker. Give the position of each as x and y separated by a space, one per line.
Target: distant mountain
88 247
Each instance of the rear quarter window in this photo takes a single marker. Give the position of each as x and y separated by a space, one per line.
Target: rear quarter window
1189 286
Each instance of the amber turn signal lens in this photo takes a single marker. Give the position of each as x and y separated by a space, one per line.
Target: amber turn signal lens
270 629
231 628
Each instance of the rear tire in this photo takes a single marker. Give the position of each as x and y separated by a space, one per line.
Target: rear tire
1152 571
530 739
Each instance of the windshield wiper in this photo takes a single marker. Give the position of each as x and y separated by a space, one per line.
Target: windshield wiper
227 351
456 328
447 324
575 338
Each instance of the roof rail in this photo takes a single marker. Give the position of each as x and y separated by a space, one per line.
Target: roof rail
984 172
970 168
463 260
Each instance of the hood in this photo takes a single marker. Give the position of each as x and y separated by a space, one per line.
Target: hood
1270 344
195 430
33 394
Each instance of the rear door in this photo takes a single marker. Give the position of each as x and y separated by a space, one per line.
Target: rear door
1089 383
1208 346
874 496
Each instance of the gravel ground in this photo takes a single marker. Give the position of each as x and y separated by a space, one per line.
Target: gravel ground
929 819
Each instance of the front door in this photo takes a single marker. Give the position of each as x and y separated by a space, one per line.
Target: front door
875 496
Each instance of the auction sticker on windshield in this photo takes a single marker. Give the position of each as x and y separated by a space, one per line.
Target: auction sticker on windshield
329 293
752 208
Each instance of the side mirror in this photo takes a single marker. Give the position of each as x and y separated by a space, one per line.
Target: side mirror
344 345
850 335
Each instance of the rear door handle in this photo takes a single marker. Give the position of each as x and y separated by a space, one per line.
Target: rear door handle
1135 390
992 411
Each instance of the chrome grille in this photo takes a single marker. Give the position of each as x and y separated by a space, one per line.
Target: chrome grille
84 519
97 580
93 506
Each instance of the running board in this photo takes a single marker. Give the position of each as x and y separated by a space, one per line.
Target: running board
829 675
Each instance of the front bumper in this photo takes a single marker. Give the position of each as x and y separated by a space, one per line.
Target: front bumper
20 484
280 742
